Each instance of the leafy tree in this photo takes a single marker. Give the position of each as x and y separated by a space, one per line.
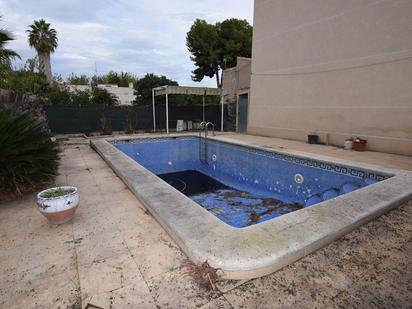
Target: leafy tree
215 47
81 98
121 79
44 40
26 82
59 96
235 40
101 96
78 79
144 87
193 100
97 96
203 43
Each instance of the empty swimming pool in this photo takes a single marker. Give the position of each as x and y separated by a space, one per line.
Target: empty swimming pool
243 186
250 210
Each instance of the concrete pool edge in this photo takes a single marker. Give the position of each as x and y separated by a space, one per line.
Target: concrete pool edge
266 247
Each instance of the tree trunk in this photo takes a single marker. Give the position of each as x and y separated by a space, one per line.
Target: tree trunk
45 66
218 82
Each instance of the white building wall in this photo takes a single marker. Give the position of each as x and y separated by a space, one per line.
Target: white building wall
340 68
125 95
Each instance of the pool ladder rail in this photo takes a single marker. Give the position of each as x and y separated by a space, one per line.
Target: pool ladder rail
203 126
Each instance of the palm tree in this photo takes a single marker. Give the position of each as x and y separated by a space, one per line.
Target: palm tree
6 55
44 40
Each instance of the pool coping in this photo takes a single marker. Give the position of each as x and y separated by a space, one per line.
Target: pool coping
263 248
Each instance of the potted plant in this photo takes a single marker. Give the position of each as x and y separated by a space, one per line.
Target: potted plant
58 204
359 144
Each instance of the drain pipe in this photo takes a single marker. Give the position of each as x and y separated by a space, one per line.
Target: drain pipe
221 121
154 110
167 111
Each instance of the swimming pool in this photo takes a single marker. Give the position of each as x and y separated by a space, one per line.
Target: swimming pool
240 185
156 168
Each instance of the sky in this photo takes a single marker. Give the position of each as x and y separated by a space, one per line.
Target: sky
136 36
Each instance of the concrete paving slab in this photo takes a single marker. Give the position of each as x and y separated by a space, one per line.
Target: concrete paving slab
59 291
132 296
108 275
175 290
157 258
99 246
140 232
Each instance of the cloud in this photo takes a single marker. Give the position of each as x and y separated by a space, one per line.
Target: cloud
134 36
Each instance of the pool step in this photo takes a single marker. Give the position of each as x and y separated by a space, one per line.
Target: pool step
349 187
314 199
331 193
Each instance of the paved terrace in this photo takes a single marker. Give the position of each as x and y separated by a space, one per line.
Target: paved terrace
115 255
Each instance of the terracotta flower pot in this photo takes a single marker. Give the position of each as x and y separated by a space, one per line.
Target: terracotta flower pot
59 209
359 144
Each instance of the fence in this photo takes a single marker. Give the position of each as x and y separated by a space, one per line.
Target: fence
73 119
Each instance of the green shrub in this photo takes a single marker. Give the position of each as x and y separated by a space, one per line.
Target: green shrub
28 158
81 98
102 97
59 97
26 82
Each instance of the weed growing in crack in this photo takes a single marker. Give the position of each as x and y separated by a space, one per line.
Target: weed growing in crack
204 274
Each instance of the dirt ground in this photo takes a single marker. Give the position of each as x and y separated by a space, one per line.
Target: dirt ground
370 267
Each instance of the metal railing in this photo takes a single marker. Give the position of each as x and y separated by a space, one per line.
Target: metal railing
213 128
203 127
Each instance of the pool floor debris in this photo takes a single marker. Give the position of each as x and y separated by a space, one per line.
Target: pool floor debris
234 207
